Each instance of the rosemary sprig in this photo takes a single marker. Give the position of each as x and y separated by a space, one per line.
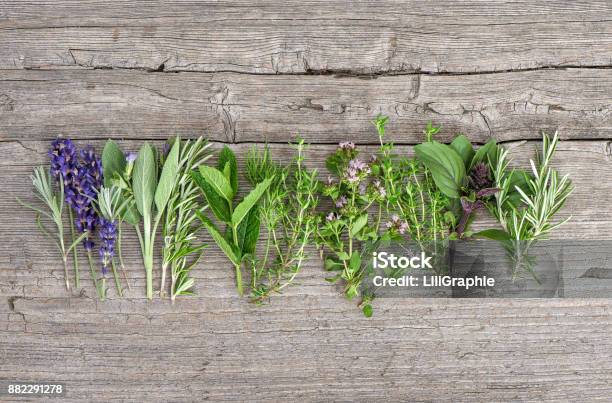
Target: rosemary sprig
527 203
54 204
179 229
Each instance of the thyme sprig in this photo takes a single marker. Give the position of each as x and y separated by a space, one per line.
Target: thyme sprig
287 212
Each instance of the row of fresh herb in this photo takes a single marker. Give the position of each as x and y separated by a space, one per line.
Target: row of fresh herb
430 197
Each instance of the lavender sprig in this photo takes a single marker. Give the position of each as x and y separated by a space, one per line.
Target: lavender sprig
64 158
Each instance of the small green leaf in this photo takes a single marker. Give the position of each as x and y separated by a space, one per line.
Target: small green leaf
464 148
113 162
355 262
494 234
446 166
227 160
367 311
248 232
359 223
484 153
218 204
249 201
144 181
168 177
218 182
343 256
219 239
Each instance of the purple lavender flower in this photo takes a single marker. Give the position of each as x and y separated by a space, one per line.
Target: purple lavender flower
81 174
330 181
87 183
341 202
64 159
331 216
108 234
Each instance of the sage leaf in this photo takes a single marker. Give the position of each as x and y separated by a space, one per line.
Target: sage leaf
242 209
144 181
218 182
168 177
446 166
227 160
464 148
113 162
218 204
219 239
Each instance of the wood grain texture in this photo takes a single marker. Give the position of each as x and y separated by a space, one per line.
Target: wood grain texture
322 109
269 37
308 344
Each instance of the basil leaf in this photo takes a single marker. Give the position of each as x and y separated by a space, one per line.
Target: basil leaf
248 232
217 204
144 181
464 148
485 153
218 182
228 159
446 166
168 177
113 161
219 239
249 201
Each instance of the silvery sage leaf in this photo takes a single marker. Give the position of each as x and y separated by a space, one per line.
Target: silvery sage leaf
144 180
113 162
168 177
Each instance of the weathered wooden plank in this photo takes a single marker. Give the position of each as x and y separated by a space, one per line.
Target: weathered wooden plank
322 109
228 350
305 36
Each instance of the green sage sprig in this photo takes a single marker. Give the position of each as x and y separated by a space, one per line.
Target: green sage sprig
220 188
